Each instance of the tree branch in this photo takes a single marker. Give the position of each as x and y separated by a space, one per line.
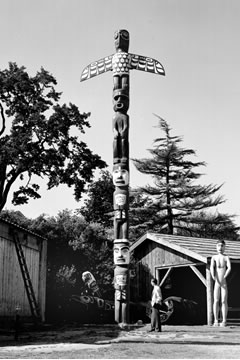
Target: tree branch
3 120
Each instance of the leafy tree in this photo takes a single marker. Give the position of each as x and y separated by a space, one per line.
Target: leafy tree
98 206
39 137
74 246
16 217
175 195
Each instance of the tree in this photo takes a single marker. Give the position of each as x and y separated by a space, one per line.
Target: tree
175 195
142 215
212 225
16 217
98 207
43 139
74 246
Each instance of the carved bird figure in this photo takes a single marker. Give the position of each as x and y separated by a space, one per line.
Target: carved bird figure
122 61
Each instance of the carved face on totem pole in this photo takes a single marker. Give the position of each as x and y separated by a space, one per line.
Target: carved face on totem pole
120 175
120 275
121 253
121 40
120 100
120 199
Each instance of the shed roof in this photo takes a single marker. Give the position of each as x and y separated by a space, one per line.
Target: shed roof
198 248
10 223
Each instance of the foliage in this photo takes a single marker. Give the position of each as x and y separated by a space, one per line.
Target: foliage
175 194
144 215
40 137
211 225
98 206
16 217
74 246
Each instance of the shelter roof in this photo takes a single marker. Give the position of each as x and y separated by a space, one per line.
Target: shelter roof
198 248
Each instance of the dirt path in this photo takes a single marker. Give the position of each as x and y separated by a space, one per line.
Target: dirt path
175 342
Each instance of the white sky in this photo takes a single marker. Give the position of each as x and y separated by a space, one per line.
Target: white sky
195 40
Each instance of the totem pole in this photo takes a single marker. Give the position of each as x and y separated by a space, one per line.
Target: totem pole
120 64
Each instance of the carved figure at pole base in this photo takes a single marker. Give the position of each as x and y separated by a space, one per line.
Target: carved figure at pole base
121 294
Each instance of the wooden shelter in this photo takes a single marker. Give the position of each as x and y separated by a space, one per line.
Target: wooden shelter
182 266
14 293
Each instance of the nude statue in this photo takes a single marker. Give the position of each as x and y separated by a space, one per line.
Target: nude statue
220 268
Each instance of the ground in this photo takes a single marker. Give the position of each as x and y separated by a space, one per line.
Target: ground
110 342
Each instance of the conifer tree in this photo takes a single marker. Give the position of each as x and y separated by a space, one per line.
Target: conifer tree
175 195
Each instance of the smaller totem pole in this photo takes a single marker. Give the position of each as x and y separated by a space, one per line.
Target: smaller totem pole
120 64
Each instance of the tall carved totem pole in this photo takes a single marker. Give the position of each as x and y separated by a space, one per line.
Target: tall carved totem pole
120 64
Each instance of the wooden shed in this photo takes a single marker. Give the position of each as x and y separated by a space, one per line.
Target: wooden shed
14 294
182 266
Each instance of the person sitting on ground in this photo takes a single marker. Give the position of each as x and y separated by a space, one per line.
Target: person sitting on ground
220 268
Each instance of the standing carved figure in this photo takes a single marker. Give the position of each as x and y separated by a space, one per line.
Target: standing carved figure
120 64
220 268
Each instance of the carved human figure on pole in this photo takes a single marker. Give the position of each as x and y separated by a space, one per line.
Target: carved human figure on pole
120 200
120 126
120 141
120 206
220 268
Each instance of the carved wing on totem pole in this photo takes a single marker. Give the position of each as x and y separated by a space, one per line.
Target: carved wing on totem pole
134 62
97 68
139 62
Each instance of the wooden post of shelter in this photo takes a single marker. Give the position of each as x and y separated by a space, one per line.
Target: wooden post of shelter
209 290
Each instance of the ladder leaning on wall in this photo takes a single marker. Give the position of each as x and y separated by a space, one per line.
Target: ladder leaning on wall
35 311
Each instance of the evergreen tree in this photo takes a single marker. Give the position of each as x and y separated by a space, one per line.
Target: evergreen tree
175 194
143 215
211 225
